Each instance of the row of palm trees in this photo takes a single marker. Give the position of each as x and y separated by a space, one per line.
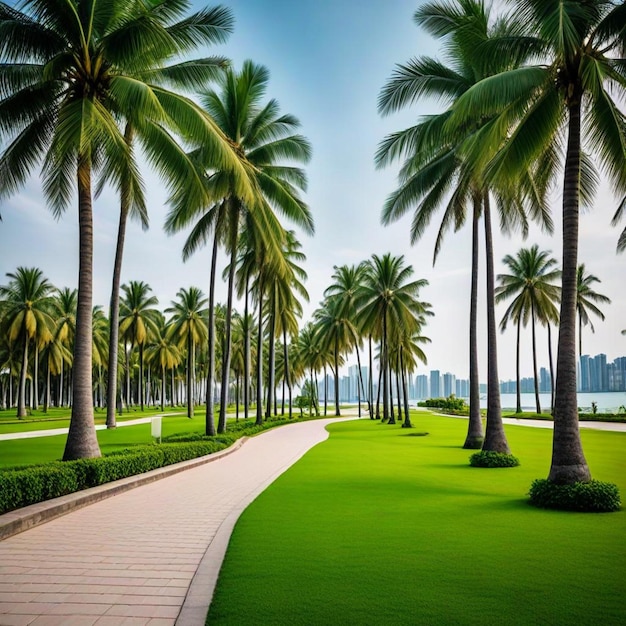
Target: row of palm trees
375 300
529 92
85 87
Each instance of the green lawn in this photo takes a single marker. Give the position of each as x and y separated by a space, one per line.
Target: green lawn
381 526
43 449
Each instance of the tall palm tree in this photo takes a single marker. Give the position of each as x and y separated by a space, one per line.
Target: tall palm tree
69 72
188 326
563 100
586 299
26 315
441 171
264 138
138 320
531 285
177 38
389 300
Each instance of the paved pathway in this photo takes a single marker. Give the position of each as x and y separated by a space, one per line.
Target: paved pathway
149 556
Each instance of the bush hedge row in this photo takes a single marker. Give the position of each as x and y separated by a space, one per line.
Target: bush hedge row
23 486
488 458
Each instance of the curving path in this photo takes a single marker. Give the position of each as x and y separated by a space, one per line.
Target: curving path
149 556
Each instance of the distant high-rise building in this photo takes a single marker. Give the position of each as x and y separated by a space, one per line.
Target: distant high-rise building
584 374
462 388
544 380
435 384
421 384
449 384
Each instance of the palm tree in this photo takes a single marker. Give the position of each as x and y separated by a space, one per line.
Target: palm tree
26 315
531 285
388 300
263 137
310 357
348 281
163 353
70 72
441 170
64 311
586 298
205 27
336 335
138 320
188 326
100 349
579 46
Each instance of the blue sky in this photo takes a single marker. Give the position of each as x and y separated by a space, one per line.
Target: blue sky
328 61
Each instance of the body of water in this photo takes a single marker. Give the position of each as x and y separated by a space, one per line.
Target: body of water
607 402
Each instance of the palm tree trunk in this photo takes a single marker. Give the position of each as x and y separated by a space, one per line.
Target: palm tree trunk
287 373
81 439
474 438
551 368
383 366
162 388
141 380
35 394
407 417
259 358
532 320
271 357
568 460
209 420
362 393
221 425
518 385
371 380
336 358
114 308
247 359
190 377
495 439
21 390
325 391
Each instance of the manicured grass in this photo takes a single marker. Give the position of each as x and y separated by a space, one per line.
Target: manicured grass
44 449
377 526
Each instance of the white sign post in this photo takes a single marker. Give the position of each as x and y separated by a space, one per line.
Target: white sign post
156 427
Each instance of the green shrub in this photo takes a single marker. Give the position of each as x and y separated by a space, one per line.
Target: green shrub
451 404
592 497
488 458
22 486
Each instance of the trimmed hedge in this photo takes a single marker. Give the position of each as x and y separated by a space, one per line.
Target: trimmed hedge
22 486
592 497
488 458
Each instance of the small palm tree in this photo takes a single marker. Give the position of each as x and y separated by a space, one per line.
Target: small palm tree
138 320
26 315
586 299
163 353
531 285
188 327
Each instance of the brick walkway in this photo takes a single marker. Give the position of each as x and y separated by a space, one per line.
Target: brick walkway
149 556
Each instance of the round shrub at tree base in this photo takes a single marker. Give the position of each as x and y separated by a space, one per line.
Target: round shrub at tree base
488 458
592 497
